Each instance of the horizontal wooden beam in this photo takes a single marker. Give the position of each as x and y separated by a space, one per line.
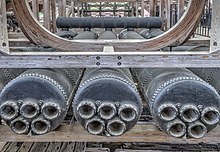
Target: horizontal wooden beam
107 1
109 59
75 133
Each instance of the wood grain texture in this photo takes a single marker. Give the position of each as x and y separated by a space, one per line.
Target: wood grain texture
4 47
178 34
75 133
114 59
215 30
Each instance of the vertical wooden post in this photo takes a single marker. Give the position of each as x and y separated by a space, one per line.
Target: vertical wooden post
35 8
168 2
73 8
181 4
78 9
153 6
132 9
53 13
47 21
142 8
162 15
62 7
137 5
4 45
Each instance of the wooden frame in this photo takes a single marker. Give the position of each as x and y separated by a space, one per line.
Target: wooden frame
4 45
178 34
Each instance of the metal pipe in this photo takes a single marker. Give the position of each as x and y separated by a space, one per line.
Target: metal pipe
113 93
116 127
95 126
51 110
176 128
210 116
40 126
179 87
9 110
86 109
20 126
107 110
128 112
109 22
168 112
29 109
189 113
197 130
39 93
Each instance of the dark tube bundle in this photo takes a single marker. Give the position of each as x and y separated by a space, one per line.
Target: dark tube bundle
109 22
180 102
36 102
107 102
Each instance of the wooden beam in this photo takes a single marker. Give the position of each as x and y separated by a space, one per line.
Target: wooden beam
53 15
35 8
215 30
153 5
181 5
114 60
46 8
142 8
84 1
75 133
4 46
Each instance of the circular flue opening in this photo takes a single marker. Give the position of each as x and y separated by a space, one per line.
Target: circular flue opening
95 127
177 130
107 111
116 128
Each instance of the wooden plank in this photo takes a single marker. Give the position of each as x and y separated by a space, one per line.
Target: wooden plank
132 60
75 133
7 145
84 1
54 147
4 46
215 30
97 150
68 146
13 147
25 147
39 147
2 144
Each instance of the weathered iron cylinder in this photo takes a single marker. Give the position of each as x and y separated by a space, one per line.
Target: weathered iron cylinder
86 34
107 102
180 101
109 22
129 34
107 34
151 33
36 102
